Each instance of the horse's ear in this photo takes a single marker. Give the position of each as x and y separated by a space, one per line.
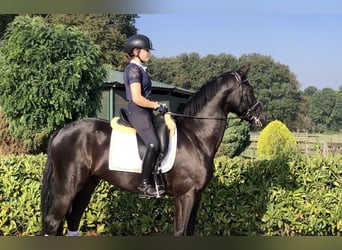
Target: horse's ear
243 70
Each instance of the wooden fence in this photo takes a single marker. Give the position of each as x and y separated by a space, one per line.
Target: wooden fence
308 144
323 148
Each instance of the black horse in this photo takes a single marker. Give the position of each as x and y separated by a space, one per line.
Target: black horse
78 156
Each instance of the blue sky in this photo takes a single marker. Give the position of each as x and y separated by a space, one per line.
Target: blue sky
305 35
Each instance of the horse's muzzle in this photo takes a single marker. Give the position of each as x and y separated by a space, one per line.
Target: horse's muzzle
256 115
257 121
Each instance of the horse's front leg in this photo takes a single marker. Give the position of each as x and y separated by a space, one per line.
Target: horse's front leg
185 214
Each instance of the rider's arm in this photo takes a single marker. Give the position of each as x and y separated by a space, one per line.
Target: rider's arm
140 100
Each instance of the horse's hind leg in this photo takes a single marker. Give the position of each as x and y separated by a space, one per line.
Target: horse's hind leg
63 191
54 220
80 203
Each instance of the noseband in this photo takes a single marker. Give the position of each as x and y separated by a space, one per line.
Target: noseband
248 115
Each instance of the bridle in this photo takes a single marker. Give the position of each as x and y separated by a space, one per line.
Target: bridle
247 116
250 117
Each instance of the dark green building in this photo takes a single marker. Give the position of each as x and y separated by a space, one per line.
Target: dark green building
113 97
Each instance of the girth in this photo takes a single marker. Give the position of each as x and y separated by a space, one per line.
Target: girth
160 127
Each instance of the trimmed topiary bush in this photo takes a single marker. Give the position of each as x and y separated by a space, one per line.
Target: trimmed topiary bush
276 141
236 137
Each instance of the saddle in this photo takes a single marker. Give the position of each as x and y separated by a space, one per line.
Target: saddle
161 128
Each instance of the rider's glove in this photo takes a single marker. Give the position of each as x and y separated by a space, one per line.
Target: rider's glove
162 108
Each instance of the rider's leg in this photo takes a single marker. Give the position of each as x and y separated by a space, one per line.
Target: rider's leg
147 166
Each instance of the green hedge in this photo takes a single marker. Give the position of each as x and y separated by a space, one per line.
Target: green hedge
20 180
245 197
299 197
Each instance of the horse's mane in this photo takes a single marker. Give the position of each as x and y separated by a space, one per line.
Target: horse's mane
206 92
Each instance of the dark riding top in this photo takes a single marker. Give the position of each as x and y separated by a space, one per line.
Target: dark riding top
140 117
137 73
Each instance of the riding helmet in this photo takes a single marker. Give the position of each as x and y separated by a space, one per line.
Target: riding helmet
139 42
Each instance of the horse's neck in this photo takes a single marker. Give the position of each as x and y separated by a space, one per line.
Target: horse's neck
207 131
212 135
205 134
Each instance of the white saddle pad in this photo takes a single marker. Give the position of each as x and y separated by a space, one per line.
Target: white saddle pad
124 155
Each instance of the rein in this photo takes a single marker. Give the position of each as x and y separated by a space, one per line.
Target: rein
247 115
198 117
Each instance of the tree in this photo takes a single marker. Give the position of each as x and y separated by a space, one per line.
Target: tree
336 115
108 31
276 88
190 71
325 110
310 91
213 66
163 69
50 75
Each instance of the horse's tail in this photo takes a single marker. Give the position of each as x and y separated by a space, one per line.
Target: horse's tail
47 190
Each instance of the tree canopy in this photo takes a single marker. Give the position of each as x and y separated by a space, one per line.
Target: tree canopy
50 75
106 30
325 110
275 85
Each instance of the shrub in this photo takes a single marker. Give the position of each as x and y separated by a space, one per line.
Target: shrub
273 197
20 194
236 137
8 143
276 141
246 197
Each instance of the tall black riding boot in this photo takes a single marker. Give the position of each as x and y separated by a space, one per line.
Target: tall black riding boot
147 166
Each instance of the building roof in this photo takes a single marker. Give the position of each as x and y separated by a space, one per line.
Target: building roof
116 77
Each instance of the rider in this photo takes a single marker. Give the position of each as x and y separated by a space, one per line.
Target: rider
138 87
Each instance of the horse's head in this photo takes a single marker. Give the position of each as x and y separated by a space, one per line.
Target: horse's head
247 106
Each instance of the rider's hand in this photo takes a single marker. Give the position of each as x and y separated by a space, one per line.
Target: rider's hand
162 108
